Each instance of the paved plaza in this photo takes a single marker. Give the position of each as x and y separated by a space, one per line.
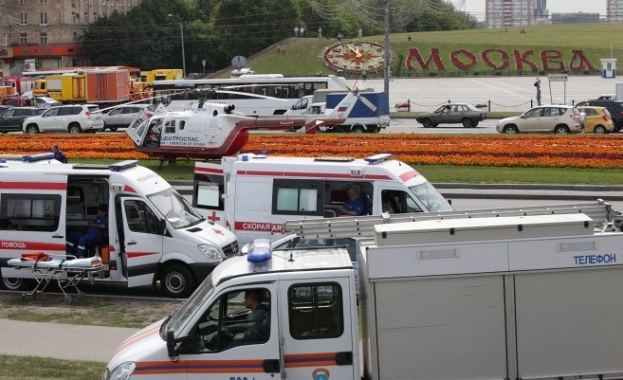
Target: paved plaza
503 93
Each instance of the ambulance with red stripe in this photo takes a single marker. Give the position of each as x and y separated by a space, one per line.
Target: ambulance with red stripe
253 195
154 234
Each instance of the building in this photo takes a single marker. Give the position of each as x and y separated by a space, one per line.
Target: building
38 34
540 9
508 13
614 10
574 18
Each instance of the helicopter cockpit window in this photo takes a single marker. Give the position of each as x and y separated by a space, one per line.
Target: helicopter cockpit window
169 126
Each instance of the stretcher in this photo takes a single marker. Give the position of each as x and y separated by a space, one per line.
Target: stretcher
66 270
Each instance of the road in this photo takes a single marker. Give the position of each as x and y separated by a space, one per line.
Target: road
399 125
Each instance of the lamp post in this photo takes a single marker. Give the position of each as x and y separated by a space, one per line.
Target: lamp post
182 35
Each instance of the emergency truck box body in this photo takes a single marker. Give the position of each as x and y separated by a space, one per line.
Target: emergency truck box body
96 87
522 306
152 231
253 195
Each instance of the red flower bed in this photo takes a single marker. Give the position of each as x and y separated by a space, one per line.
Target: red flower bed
582 151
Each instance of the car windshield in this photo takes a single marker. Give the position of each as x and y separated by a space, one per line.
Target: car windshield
430 197
175 208
180 319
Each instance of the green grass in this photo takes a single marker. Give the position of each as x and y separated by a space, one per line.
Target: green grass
35 368
303 54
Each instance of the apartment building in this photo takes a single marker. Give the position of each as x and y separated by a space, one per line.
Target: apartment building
46 33
509 13
614 10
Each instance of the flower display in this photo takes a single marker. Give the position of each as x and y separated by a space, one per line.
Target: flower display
577 151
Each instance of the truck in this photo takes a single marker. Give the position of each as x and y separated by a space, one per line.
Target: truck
154 234
456 296
254 194
362 117
104 87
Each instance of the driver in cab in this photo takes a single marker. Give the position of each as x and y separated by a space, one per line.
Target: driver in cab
259 320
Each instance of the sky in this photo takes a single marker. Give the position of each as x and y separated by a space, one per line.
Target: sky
477 7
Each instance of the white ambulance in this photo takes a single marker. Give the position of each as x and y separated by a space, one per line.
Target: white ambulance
154 234
253 195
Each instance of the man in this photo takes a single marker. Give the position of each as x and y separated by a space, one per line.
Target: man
259 326
58 154
537 84
97 232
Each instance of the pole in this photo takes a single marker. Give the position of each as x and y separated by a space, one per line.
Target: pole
386 48
183 54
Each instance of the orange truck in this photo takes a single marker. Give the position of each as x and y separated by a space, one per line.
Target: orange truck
97 87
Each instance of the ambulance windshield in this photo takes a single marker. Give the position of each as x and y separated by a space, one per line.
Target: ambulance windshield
430 197
175 208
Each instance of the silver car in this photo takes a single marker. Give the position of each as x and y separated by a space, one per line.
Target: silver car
122 116
548 119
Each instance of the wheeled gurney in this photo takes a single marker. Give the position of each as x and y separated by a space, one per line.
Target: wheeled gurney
66 270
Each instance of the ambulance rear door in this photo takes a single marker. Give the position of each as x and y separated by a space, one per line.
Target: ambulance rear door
140 241
209 194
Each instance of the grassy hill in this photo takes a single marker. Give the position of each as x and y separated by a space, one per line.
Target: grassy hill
302 55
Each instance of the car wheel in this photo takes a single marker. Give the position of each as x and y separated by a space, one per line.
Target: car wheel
561 130
467 123
475 124
74 128
32 129
600 130
511 129
427 123
358 129
176 281
112 129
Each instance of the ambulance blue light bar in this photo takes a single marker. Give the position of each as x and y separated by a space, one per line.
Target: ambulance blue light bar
122 165
260 255
38 157
378 158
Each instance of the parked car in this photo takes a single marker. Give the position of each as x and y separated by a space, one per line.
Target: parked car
69 118
11 119
615 107
598 120
464 113
123 115
47 102
19 101
557 119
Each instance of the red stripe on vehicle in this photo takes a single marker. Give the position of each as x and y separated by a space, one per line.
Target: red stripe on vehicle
377 177
136 255
406 176
33 186
208 170
31 245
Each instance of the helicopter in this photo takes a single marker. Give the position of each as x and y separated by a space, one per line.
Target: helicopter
211 130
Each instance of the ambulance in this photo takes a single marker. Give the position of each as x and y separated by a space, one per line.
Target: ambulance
154 234
254 194
513 295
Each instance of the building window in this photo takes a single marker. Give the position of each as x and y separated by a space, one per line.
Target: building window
43 18
43 1
23 40
94 16
86 18
1 2
74 17
43 38
74 37
22 1
23 18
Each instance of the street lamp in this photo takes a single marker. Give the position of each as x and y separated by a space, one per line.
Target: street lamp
182 35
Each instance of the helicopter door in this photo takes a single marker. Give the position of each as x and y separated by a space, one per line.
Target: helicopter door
138 128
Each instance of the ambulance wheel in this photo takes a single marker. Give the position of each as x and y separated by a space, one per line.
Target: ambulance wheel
176 281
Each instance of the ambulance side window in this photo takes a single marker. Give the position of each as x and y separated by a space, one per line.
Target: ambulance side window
30 212
315 311
209 195
302 197
140 217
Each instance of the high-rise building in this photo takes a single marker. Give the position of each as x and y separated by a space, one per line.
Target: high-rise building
508 13
47 32
540 9
614 10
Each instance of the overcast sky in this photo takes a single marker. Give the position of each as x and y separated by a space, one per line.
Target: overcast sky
477 7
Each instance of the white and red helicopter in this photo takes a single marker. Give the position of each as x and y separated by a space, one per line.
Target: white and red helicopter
216 130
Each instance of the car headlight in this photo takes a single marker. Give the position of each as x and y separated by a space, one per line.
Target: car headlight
122 372
211 252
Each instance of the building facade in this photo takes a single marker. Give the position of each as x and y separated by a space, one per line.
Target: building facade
45 33
614 10
509 13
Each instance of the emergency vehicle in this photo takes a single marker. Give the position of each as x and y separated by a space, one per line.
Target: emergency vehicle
253 195
458 296
154 234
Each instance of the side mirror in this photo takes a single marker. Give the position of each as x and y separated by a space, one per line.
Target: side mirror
172 350
162 228
183 345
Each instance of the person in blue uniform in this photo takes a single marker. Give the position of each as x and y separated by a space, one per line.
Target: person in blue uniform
58 154
96 232
355 205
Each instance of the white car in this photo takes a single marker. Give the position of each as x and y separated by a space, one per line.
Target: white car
75 118
47 102
123 115
558 119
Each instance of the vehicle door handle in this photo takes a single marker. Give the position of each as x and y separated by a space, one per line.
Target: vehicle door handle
58 236
271 365
131 242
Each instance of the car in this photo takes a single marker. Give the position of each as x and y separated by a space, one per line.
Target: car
74 118
598 120
11 119
560 119
47 102
19 101
467 114
123 115
615 107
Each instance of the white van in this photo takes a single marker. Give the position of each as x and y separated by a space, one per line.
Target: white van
154 234
253 195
